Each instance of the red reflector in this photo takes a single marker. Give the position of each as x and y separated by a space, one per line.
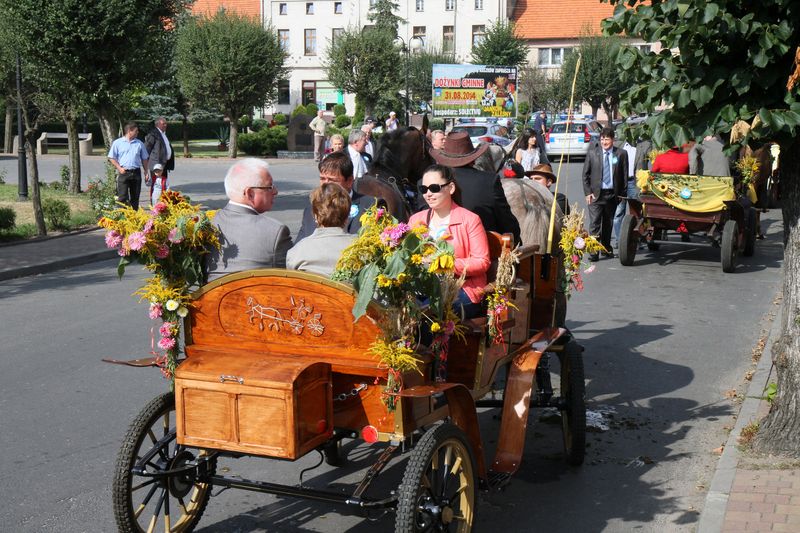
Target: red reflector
486 139
547 137
322 425
369 434
586 136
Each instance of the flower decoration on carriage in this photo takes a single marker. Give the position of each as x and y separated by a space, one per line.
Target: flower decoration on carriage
499 300
576 243
748 167
411 274
170 240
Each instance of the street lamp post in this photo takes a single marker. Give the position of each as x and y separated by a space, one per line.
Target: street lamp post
22 168
414 44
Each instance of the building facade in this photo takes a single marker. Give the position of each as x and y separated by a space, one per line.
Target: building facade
307 27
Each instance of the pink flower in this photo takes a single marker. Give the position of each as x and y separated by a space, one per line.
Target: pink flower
148 226
590 269
392 235
137 240
123 252
166 329
113 239
379 213
159 208
579 244
162 252
173 236
575 259
155 311
166 343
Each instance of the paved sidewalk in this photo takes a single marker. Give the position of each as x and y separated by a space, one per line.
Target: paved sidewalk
38 256
748 492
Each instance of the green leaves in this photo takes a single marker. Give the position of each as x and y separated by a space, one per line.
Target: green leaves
123 262
500 46
365 285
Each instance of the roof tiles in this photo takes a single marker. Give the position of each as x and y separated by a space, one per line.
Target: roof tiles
553 19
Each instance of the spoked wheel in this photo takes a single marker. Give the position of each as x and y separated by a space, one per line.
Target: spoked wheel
438 491
573 395
730 245
628 240
750 233
170 503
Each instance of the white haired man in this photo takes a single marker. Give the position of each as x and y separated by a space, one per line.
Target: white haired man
355 149
249 239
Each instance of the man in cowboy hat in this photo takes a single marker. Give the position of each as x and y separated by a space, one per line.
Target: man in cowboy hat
543 174
481 192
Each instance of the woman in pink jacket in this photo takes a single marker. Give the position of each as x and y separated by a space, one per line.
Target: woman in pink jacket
462 229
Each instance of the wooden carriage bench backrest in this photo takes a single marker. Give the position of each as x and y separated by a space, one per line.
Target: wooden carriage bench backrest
262 347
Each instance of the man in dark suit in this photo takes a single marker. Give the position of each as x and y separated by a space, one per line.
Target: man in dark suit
337 167
604 180
161 153
249 239
481 192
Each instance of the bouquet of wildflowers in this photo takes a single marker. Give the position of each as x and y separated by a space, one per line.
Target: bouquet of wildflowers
576 242
397 265
170 240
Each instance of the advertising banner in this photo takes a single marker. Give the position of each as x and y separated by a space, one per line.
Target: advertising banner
474 91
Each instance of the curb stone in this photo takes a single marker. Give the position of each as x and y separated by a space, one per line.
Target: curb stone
58 264
713 515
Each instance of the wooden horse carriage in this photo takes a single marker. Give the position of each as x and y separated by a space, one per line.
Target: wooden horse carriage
729 224
276 367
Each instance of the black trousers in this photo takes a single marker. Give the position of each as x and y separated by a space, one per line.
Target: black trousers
129 187
601 216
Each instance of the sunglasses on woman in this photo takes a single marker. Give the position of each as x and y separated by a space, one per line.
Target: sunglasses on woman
434 187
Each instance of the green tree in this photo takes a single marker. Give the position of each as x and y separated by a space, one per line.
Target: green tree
732 63
420 73
543 89
364 63
599 82
501 46
382 15
90 54
230 63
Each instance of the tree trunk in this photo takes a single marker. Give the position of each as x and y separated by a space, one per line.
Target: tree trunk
185 127
107 128
232 148
780 430
74 154
33 183
8 140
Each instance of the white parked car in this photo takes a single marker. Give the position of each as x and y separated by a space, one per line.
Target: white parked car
575 142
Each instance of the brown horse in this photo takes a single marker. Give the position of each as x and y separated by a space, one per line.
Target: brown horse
401 158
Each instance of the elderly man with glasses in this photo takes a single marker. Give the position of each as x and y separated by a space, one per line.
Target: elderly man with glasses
249 239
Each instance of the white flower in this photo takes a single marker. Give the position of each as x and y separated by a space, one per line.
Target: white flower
172 305
182 312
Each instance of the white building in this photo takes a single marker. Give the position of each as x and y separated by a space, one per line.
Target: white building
306 28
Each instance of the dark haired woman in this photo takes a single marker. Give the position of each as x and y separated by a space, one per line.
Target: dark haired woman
461 228
529 154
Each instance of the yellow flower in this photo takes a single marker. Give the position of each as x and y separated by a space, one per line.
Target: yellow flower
428 249
662 187
435 327
442 264
383 281
416 259
401 277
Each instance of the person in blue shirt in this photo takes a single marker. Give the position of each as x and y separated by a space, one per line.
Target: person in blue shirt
129 157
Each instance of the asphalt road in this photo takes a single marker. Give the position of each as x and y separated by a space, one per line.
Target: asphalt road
665 341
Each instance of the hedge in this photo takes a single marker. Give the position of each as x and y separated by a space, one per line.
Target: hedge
265 142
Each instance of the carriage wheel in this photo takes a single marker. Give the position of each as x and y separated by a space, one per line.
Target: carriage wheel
628 240
573 412
145 503
750 233
438 491
730 245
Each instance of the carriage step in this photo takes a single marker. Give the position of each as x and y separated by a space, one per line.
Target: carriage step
498 480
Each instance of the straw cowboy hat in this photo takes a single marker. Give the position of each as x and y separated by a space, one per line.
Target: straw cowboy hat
542 170
458 150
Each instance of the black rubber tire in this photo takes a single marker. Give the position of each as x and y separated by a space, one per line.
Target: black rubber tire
628 240
573 392
730 246
750 233
414 496
653 246
150 419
